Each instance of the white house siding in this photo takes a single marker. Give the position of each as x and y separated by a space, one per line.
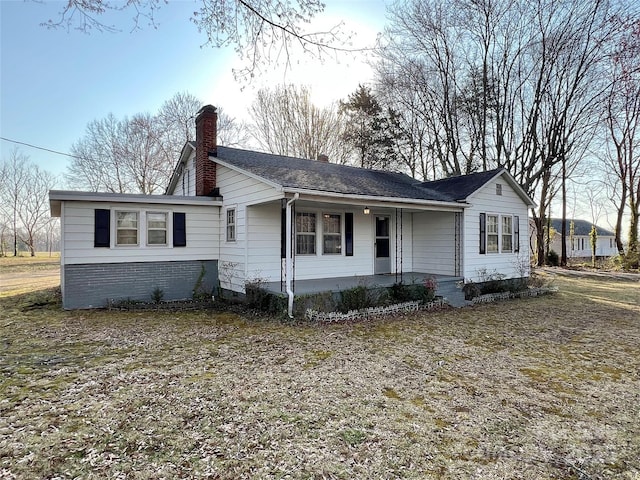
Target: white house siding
434 242
239 191
605 246
512 265
78 230
95 276
186 184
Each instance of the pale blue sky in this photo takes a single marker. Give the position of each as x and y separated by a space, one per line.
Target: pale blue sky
53 82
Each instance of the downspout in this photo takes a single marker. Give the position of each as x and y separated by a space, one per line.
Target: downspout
288 255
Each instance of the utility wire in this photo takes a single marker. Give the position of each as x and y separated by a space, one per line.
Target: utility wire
40 148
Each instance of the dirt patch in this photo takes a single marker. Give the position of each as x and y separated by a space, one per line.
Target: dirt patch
20 281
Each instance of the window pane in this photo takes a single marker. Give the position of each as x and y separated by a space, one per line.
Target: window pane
305 244
506 243
331 223
127 220
157 237
492 243
156 220
305 222
127 237
231 233
332 244
492 224
382 226
506 225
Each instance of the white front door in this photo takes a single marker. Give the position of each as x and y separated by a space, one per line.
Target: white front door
382 245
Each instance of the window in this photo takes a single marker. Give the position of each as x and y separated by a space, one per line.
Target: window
127 228
492 233
231 225
498 189
507 234
305 233
331 234
156 228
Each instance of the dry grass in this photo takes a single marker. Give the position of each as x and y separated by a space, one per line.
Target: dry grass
25 262
528 389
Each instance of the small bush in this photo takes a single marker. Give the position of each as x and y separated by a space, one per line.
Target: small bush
553 259
422 292
157 295
471 290
354 299
320 302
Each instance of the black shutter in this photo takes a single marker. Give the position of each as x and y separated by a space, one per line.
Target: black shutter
283 229
179 229
483 233
516 233
102 228
348 234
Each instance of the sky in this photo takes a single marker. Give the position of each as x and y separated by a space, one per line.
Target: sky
54 82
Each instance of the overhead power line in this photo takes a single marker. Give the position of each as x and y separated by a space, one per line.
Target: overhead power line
39 148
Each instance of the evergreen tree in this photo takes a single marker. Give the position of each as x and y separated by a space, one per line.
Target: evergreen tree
371 131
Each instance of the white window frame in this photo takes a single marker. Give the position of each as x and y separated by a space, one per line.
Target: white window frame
231 226
495 233
165 229
504 234
499 189
339 234
313 234
118 228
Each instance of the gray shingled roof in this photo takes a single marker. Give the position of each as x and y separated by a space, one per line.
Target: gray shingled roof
330 177
581 227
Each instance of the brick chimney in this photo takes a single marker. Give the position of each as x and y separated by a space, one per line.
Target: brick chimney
323 158
206 132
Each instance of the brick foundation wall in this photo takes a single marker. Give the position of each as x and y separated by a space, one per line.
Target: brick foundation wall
95 285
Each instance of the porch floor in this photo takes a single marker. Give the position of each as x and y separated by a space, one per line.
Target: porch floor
338 284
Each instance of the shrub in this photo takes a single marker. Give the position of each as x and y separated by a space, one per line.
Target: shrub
157 295
354 299
553 259
471 290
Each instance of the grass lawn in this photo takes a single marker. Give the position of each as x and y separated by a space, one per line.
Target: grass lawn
25 262
539 388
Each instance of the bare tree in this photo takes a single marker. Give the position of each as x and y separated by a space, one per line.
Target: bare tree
622 123
231 131
286 122
261 32
24 199
138 154
514 83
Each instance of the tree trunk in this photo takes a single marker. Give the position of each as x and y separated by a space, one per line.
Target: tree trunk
563 227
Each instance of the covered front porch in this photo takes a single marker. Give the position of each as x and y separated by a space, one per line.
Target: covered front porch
447 284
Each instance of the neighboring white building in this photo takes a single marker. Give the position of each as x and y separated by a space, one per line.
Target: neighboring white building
249 215
580 245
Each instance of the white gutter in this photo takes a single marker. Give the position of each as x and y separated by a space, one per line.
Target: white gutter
287 256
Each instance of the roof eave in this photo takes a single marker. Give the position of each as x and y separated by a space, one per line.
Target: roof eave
56 197
372 200
184 156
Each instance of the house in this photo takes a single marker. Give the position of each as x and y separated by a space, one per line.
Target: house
580 245
241 216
